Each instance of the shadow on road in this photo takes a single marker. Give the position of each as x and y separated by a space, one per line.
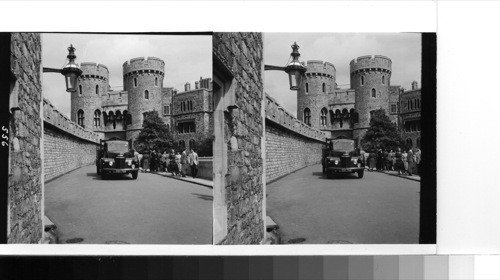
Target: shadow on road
110 176
341 176
204 196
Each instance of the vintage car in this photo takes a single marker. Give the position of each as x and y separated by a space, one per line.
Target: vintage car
116 157
341 156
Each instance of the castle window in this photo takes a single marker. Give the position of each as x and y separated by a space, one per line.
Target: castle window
374 93
165 110
323 116
182 144
307 87
97 118
362 80
156 81
186 127
81 118
192 144
418 142
408 104
383 80
332 117
135 82
307 116
96 89
146 94
341 123
323 87
80 89
394 108
409 142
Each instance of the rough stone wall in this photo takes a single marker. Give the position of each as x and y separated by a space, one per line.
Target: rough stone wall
201 114
67 146
24 223
86 97
408 113
242 54
290 144
372 69
146 71
287 151
64 152
318 72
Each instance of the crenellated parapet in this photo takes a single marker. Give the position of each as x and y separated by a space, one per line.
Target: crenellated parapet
320 68
279 115
94 70
143 65
53 116
371 63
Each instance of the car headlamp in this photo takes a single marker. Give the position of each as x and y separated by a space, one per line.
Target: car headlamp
354 160
336 162
128 161
111 163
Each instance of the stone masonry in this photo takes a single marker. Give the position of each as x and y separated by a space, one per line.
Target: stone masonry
242 55
67 146
290 143
24 223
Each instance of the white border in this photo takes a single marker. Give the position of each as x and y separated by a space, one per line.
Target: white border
271 16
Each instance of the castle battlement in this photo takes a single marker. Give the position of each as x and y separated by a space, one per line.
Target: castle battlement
94 70
371 63
320 68
141 65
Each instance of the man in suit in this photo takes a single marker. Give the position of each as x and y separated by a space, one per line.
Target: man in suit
193 162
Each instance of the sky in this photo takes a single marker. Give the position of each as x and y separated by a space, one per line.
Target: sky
404 49
187 58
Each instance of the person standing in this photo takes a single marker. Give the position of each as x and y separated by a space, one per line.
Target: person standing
372 159
399 162
163 161
178 163
418 158
145 162
404 159
411 161
193 161
184 163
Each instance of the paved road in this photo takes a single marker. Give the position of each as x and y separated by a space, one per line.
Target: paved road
378 209
150 210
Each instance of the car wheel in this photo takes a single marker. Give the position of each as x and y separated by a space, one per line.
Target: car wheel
104 175
361 173
98 171
134 175
324 169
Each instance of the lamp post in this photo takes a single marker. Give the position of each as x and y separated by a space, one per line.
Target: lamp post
294 69
71 70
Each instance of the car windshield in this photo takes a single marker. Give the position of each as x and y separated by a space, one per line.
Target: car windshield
117 147
343 146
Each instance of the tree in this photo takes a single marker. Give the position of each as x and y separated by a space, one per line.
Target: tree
205 146
154 135
382 134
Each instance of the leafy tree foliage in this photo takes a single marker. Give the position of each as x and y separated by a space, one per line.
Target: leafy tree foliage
382 134
154 135
204 146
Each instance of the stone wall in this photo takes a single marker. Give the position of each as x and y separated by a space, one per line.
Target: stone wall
290 144
24 223
67 146
240 57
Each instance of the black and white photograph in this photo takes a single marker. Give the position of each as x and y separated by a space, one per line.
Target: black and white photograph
343 142
127 138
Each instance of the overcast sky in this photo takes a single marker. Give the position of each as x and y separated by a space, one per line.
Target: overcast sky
404 49
187 58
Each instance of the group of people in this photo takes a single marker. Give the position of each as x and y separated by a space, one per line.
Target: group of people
175 162
405 162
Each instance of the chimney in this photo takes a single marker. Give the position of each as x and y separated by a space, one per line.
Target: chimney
414 85
196 85
187 87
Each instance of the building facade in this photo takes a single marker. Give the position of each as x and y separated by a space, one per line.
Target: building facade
346 112
120 114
